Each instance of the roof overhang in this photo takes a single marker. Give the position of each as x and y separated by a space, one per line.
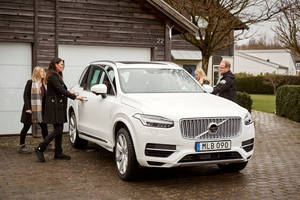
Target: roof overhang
186 55
173 15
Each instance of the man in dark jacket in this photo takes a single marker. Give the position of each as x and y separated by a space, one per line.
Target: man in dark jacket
226 87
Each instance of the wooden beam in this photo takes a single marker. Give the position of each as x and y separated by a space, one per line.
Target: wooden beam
167 43
35 46
56 26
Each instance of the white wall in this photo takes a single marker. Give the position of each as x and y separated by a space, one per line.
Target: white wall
246 65
278 56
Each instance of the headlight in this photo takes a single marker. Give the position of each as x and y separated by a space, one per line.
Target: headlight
154 121
248 119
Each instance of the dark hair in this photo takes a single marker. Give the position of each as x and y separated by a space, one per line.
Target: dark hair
52 67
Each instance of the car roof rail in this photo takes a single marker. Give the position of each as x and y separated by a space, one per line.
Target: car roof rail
109 61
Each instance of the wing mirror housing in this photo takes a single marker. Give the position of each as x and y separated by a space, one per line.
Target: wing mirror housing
99 89
207 88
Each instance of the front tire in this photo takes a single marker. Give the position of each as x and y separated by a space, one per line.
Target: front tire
232 167
125 157
75 140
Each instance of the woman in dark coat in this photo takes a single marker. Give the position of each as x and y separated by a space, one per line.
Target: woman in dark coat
55 109
34 92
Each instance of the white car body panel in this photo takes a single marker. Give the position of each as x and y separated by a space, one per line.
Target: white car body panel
97 119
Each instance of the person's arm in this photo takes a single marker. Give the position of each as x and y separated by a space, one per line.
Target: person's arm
54 81
27 95
223 85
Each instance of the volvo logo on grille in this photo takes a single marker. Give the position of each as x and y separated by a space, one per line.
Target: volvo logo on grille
212 128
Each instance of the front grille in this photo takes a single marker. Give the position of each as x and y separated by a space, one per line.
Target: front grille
210 157
228 127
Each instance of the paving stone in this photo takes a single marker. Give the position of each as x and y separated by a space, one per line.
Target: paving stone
273 172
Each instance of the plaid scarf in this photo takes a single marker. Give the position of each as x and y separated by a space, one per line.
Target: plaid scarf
36 102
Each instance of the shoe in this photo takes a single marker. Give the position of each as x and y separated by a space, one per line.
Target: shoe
39 154
24 150
62 157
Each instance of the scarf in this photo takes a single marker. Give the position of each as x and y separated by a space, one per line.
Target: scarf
36 102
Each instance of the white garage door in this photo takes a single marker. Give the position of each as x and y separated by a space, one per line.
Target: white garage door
15 70
77 57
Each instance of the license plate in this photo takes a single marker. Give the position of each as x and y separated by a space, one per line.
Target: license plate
213 146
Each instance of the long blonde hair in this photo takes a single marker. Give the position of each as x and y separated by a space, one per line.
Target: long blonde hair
202 75
36 74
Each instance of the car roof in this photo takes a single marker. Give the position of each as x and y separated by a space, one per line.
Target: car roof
137 64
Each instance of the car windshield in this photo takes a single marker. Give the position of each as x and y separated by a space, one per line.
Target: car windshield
154 80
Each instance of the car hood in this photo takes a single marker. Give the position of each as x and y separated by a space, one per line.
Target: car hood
183 105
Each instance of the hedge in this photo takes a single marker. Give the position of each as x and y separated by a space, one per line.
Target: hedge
288 102
258 85
244 100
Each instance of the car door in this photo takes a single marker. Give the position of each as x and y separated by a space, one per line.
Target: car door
95 112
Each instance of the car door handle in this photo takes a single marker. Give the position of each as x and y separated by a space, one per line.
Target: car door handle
85 99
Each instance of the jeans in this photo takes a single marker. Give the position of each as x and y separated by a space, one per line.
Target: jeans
57 135
25 129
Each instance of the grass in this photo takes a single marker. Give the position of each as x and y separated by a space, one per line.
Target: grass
262 102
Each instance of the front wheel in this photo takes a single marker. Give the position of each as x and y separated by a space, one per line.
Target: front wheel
233 167
125 158
75 140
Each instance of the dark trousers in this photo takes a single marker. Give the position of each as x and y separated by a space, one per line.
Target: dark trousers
25 129
57 135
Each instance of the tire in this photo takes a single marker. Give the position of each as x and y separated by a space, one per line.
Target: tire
125 160
232 167
74 139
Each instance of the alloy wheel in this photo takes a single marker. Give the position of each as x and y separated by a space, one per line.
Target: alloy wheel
72 129
122 154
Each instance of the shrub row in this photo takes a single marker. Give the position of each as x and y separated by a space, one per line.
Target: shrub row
261 84
288 102
244 100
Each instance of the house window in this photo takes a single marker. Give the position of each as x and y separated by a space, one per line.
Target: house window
190 69
216 74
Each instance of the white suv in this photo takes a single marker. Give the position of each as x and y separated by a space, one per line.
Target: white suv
156 115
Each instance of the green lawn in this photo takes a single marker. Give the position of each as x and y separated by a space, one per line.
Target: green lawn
265 103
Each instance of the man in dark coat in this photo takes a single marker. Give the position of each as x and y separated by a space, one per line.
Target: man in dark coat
226 87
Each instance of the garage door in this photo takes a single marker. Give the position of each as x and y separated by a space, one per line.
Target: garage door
77 57
15 70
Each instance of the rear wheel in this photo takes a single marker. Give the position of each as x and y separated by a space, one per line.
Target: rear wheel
233 167
125 158
75 140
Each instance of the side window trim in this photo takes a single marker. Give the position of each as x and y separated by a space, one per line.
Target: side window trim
84 76
111 81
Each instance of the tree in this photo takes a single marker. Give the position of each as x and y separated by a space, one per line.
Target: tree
218 19
288 25
261 43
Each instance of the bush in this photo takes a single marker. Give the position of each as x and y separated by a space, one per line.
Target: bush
259 84
288 102
244 100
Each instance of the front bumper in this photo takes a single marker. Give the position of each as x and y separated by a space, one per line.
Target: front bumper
159 147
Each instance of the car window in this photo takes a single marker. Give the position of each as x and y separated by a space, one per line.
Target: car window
155 80
84 77
106 79
94 76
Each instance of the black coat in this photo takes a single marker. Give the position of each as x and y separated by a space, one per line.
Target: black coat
56 100
26 117
226 87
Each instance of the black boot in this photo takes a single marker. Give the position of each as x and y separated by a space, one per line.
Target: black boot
39 154
62 156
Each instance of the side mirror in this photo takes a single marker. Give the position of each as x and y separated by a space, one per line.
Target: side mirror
207 88
99 89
